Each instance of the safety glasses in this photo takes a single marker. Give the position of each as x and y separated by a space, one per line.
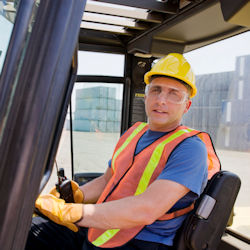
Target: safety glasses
173 95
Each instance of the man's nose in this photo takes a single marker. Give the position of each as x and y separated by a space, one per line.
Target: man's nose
162 97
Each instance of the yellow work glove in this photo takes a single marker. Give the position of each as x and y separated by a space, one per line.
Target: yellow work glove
57 210
77 193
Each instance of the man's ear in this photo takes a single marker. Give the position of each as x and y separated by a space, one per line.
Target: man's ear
188 105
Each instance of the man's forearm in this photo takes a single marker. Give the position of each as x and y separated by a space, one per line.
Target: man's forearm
124 213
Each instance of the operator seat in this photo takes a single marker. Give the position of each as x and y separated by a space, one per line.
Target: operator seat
205 225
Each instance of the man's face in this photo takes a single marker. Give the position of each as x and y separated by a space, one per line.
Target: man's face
166 101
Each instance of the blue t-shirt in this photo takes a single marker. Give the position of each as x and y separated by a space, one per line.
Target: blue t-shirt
187 165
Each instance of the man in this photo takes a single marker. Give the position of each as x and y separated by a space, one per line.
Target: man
156 173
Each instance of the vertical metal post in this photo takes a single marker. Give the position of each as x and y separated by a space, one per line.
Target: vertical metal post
126 93
71 140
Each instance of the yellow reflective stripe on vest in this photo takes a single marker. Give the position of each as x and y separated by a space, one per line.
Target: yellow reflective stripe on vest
127 141
144 181
154 160
107 235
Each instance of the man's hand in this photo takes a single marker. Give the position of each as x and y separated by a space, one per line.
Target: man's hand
77 193
57 210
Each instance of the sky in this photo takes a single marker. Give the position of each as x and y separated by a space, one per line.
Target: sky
6 29
92 63
220 56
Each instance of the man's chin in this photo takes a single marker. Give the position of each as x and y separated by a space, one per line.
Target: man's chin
159 125
163 125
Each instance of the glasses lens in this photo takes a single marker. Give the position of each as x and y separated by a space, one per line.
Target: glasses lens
172 95
176 96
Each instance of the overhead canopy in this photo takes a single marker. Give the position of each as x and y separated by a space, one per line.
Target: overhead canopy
153 27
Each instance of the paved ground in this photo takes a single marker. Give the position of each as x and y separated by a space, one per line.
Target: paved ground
93 150
239 163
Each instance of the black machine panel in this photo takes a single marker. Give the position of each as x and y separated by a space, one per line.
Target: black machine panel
139 67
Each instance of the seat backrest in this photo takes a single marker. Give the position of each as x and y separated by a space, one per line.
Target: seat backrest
205 225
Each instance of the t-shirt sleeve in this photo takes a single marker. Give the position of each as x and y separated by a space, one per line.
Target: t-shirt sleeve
109 163
187 165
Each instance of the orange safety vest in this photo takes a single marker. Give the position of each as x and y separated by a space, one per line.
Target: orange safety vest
131 175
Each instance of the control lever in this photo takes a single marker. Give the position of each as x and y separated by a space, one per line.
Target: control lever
64 186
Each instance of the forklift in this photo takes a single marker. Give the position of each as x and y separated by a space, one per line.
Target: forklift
44 47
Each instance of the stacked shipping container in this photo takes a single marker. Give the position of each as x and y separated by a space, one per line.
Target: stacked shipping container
97 109
221 107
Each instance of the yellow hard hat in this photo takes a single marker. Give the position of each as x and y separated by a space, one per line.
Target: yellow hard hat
174 65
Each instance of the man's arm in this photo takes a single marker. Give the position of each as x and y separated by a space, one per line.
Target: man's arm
93 189
132 211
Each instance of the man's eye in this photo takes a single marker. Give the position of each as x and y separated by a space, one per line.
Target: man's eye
174 93
155 90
